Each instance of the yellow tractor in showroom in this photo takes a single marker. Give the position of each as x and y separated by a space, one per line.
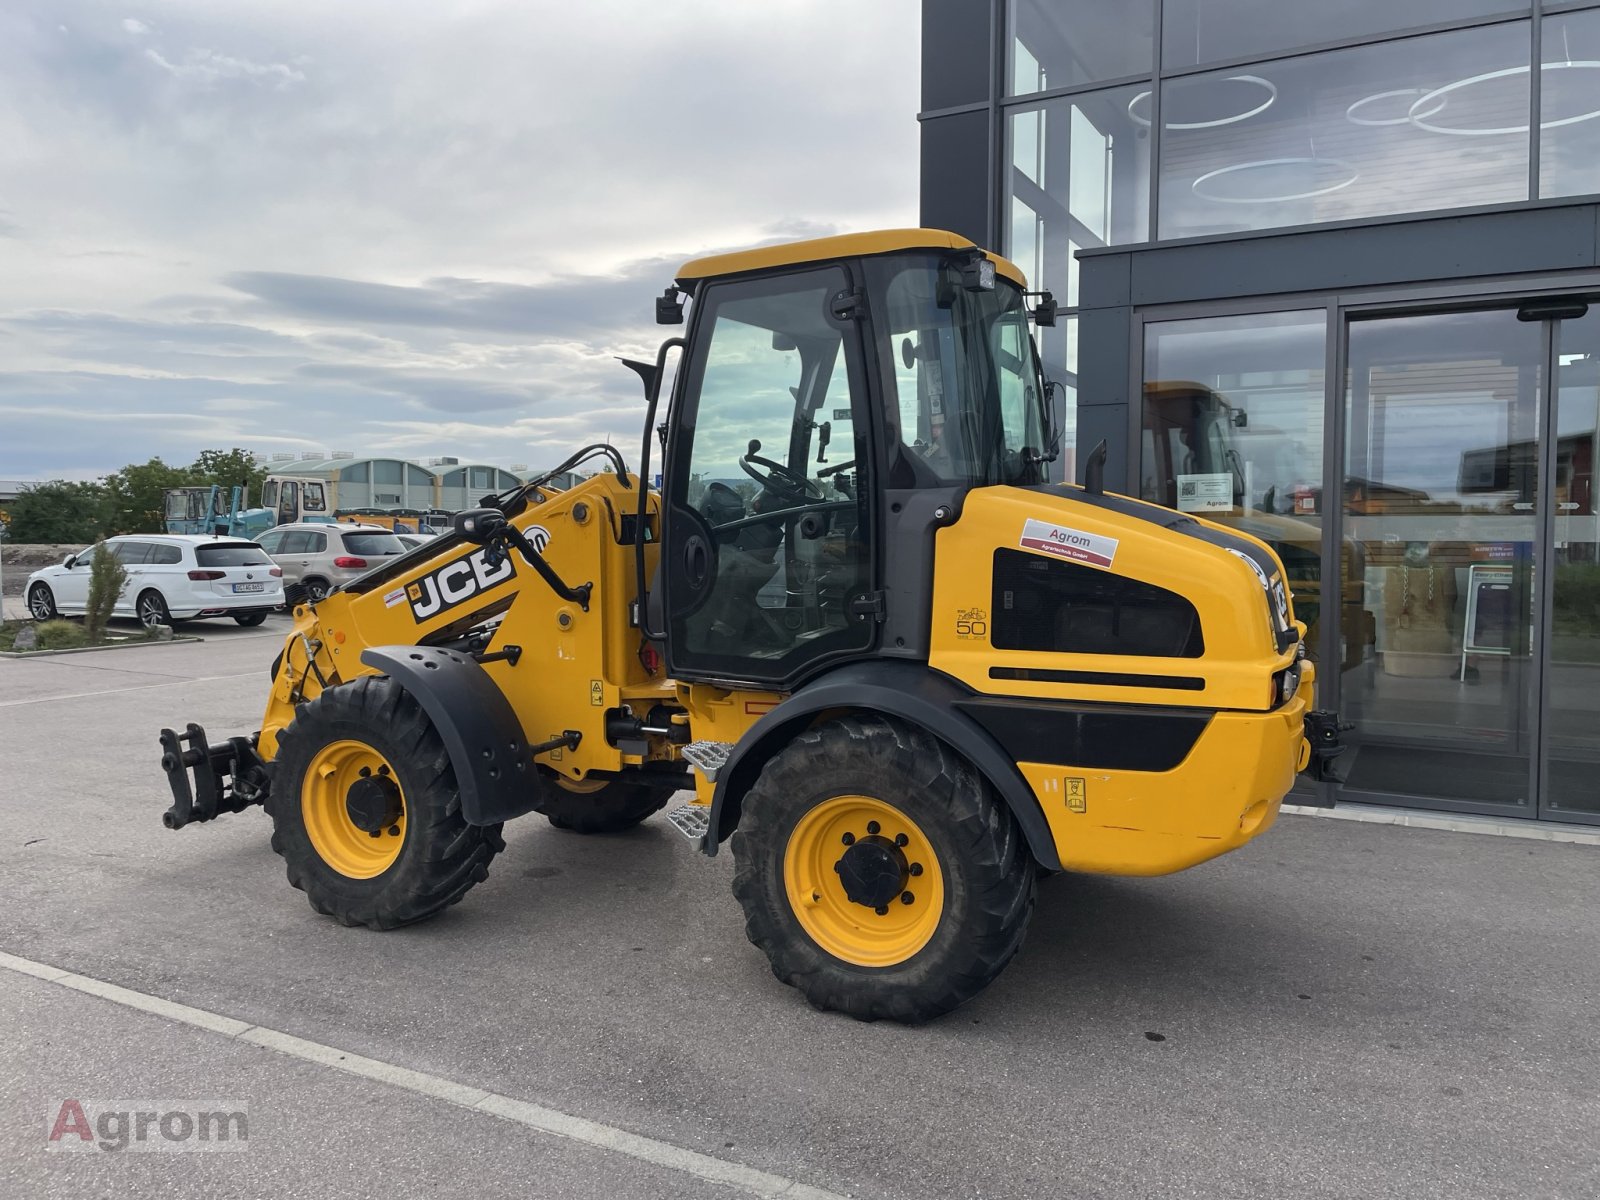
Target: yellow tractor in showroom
899 670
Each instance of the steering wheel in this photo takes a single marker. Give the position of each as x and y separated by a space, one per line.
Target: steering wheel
783 482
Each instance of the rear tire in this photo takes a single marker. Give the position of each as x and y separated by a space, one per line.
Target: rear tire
609 808
42 603
251 620
316 590
902 959
151 609
435 859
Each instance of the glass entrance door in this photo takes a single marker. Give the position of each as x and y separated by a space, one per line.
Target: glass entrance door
1572 690
1442 483
1468 480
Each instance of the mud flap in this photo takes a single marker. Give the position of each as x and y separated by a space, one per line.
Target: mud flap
480 730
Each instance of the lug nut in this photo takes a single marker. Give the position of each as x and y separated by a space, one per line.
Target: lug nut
882 910
849 839
394 831
375 833
838 868
906 897
364 772
873 827
916 868
900 839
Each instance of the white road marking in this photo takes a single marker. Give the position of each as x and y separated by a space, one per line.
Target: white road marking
533 1116
140 687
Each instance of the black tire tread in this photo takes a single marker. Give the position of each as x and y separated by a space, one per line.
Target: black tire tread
618 806
443 857
996 864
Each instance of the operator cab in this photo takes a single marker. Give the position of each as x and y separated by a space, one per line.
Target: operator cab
816 391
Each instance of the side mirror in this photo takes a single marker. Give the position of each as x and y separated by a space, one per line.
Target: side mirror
70 561
1044 313
669 309
480 526
1240 419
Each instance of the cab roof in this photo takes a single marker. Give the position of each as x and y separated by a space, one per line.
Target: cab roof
848 245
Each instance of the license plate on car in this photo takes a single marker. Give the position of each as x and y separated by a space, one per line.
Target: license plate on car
249 587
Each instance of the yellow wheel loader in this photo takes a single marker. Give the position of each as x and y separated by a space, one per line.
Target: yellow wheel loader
899 671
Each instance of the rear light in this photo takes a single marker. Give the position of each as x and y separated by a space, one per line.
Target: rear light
345 560
204 575
275 572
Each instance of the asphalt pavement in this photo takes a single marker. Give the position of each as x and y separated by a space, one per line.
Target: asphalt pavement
1337 1010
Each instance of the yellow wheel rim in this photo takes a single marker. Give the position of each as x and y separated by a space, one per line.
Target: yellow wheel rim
582 787
863 835
325 806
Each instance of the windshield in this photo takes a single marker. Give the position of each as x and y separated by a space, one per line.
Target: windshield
964 391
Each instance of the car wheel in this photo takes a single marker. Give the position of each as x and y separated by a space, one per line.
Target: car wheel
316 590
42 602
251 620
152 609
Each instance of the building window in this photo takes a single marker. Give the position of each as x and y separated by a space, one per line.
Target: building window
456 478
354 474
1196 32
417 477
1395 127
1061 43
386 471
1232 431
1569 105
481 478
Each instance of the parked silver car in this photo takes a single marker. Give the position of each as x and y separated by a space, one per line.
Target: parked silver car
324 556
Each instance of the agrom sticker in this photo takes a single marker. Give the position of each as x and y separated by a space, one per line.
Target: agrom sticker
1073 544
397 596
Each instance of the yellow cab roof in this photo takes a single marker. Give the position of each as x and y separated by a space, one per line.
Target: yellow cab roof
848 245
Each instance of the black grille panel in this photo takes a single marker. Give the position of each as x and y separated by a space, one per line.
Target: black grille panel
1055 606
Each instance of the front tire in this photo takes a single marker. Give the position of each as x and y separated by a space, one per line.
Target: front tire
364 757
316 590
42 603
608 806
879 873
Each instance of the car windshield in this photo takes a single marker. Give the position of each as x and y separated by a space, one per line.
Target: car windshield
232 554
375 544
964 391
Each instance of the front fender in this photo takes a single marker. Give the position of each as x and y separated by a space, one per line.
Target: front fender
908 691
479 728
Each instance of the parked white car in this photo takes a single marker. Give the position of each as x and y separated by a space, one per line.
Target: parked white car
171 576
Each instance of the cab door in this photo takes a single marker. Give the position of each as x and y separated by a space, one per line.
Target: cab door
768 547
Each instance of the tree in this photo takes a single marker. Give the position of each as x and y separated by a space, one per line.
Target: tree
138 495
229 469
107 578
60 512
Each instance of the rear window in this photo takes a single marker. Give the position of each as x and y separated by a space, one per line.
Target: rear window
232 554
375 544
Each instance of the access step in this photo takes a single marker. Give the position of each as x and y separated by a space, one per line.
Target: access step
691 820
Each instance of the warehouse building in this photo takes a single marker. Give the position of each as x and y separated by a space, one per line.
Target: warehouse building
1329 273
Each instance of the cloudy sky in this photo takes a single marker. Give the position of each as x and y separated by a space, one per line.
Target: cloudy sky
403 227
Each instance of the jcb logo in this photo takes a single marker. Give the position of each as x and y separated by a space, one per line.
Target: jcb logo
457 582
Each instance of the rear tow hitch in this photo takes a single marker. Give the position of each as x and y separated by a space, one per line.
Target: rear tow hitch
227 779
1322 731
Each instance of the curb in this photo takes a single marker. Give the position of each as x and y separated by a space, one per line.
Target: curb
128 645
1538 831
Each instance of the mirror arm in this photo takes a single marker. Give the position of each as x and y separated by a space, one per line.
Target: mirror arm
654 392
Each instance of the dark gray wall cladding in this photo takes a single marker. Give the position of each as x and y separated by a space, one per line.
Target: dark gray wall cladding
956 53
955 179
1370 255
1103 334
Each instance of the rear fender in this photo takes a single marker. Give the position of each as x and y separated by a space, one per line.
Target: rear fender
480 730
907 691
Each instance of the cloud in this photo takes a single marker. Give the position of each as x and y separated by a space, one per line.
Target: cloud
135 26
204 66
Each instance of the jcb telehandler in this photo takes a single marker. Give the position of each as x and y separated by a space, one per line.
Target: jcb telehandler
898 669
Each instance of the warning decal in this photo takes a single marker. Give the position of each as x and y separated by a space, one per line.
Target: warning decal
1072 544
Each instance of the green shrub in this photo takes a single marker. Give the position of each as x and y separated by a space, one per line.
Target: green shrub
8 631
107 578
62 635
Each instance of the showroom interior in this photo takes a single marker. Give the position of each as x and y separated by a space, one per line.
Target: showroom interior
1329 274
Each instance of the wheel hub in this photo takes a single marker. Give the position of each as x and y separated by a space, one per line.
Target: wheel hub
873 871
373 803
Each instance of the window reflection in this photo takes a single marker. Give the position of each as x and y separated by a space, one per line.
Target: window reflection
1059 43
1407 126
1232 432
1569 116
1195 32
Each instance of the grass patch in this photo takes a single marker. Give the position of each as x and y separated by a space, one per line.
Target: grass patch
8 631
62 635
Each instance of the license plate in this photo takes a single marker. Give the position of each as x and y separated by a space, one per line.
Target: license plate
249 587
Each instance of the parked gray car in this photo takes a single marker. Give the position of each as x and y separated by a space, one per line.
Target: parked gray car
323 556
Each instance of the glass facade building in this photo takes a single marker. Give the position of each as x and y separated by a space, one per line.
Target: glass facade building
1329 274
